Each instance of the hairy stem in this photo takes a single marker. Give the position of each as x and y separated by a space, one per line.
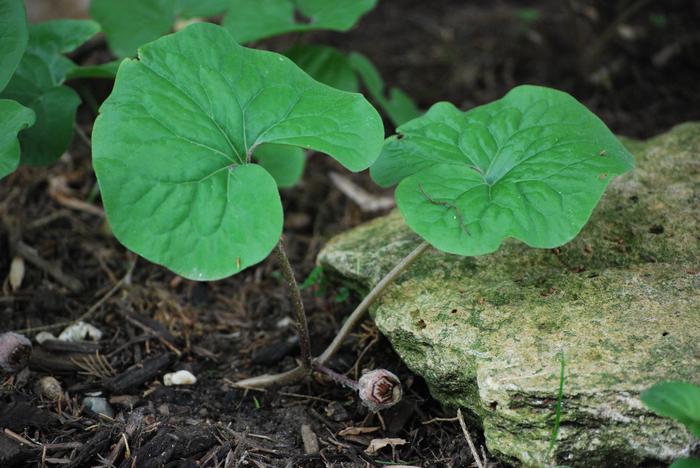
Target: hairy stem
352 321
300 314
360 311
335 376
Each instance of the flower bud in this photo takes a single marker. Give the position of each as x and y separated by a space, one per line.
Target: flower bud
379 389
15 350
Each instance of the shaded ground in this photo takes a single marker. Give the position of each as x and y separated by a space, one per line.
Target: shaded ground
635 63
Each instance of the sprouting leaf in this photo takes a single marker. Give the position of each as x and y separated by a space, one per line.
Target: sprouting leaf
13 37
13 118
325 64
531 166
172 147
128 24
398 106
37 84
104 70
250 20
284 163
677 400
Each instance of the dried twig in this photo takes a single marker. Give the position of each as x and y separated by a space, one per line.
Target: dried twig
365 200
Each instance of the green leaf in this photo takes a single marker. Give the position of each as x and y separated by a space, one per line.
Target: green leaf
398 106
172 145
677 400
531 165
284 163
13 118
325 64
128 24
52 133
37 84
13 37
250 20
201 8
104 70
686 463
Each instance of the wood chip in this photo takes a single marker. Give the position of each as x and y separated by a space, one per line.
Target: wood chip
377 444
308 436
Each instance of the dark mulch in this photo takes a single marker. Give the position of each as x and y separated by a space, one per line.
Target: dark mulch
636 63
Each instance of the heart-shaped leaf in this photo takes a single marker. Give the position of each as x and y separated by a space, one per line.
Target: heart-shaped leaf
677 400
250 20
13 118
284 163
173 144
531 165
398 106
13 37
325 64
37 84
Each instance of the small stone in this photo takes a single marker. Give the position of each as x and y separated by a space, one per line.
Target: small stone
98 405
49 388
15 350
81 331
41 337
181 377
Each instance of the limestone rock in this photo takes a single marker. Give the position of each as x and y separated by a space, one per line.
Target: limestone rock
620 303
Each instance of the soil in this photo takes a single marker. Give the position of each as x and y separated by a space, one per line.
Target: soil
635 63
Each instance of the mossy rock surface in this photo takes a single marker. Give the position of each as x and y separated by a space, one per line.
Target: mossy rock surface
621 303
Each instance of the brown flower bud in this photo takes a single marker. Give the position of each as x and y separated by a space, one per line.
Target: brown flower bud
15 350
379 389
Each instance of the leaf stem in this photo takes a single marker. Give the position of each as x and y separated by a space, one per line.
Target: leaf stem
299 312
359 312
357 315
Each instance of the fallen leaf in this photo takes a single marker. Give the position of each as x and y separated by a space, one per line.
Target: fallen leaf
357 430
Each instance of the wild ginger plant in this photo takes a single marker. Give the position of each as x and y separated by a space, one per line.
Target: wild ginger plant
530 166
176 146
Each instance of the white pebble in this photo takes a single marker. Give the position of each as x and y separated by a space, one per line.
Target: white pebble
181 377
44 336
99 405
80 331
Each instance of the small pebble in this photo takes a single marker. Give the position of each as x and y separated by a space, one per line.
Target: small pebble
49 388
80 331
15 350
98 405
41 337
181 377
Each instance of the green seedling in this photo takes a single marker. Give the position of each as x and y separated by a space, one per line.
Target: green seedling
37 84
251 20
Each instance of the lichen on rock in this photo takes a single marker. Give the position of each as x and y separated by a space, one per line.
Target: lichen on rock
620 302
